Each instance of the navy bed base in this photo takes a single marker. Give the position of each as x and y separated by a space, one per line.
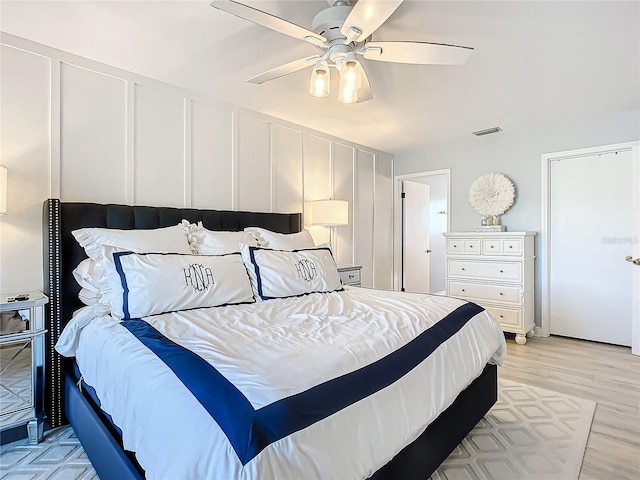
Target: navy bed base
66 402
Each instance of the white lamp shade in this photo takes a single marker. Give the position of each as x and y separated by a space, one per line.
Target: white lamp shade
331 213
3 189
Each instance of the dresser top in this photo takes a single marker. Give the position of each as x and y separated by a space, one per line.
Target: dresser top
489 234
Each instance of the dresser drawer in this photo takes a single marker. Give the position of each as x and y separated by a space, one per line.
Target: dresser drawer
502 246
508 317
500 293
498 271
350 276
465 246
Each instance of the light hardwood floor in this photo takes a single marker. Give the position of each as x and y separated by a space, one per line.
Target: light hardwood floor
606 374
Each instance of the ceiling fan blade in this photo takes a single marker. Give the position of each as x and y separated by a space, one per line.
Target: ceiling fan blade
422 53
267 20
364 93
285 69
366 17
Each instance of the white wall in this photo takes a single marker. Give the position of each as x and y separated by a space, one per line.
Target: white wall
516 152
84 131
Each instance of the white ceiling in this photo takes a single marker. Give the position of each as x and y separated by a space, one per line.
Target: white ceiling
533 61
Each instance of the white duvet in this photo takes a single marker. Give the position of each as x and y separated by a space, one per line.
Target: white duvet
272 350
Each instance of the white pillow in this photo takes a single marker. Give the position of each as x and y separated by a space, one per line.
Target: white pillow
209 242
153 283
281 241
166 240
291 273
89 278
93 240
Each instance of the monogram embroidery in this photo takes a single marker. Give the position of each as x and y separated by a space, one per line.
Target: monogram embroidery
198 277
306 270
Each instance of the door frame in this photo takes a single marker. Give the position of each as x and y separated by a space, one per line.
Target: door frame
545 241
397 216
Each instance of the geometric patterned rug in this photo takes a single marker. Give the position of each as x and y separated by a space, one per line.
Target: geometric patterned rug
531 433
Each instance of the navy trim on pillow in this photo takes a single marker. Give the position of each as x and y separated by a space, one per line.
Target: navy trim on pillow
259 277
123 280
125 289
250 431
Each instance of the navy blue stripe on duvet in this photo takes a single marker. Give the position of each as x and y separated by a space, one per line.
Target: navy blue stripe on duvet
250 431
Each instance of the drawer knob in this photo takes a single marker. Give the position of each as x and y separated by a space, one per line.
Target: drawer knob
352 276
501 316
501 293
510 246
463 290
470 246
491 246
501 271
463 269
455 246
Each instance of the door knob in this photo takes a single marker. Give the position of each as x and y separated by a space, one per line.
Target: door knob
632 260
427 251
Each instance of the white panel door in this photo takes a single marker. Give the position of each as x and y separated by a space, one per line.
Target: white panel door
383 224
287 169
93 131
416 252
211 157
159 166
591 232
363 214
317 180
343 166
25 151
635 255
254 164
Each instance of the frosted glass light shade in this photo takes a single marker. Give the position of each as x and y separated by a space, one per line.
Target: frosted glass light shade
3 189
320 83
350 79
331 213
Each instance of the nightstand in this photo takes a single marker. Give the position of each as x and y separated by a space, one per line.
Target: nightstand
22 366
350 275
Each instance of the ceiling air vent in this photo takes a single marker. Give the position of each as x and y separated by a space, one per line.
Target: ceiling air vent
488 131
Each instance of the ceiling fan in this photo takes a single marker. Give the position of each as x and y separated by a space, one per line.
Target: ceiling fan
341 33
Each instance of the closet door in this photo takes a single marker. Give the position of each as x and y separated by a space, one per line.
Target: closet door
591 232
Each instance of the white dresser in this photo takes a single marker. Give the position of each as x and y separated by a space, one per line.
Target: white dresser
495 270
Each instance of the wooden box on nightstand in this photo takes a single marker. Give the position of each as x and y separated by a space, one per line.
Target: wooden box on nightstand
350 275
22 366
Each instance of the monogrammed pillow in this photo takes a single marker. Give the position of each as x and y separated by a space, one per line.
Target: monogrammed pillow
153 283
291 273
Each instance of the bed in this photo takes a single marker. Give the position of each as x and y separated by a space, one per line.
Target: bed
72 399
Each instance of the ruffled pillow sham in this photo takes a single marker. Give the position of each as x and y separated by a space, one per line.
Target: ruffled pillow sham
91 274
281 241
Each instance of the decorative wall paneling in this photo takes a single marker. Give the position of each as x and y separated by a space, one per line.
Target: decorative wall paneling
93 127
86 131
25 150
254 165
363 204
317 184
343 185
382 221
211 156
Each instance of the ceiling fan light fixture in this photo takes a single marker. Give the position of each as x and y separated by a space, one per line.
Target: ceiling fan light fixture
350 79
320 83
